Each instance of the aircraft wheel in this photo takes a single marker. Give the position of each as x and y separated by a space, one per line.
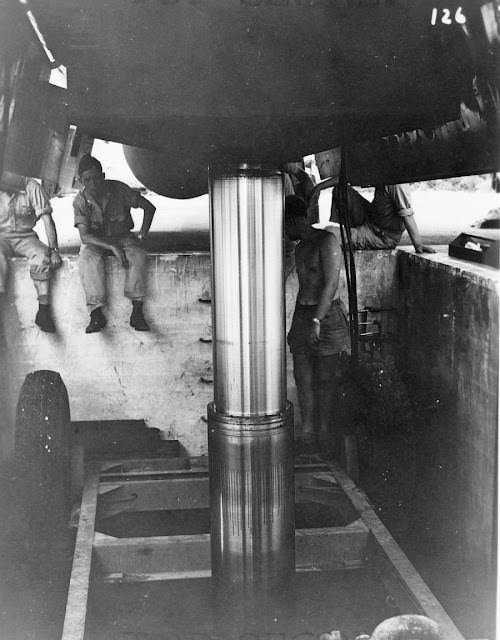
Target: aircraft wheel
42 452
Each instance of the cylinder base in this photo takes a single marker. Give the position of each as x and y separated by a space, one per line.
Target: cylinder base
252 499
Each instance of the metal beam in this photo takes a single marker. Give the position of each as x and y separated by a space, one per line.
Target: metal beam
174 557
76 606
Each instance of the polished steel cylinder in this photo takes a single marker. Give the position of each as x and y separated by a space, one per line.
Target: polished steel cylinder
252 500
250 423
248 302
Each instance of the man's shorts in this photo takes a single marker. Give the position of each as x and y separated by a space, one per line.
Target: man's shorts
333 335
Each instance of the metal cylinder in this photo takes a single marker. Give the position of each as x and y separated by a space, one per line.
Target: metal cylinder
252 499
248 309
250 423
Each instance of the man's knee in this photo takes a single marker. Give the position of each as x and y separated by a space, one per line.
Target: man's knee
136 254
89 256
40 265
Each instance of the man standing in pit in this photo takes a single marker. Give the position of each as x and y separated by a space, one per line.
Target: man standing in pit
102 216
22 203
378 224
319 335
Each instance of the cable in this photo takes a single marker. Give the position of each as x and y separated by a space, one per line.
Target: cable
350 265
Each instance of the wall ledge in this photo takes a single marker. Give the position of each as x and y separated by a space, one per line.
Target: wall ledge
480 273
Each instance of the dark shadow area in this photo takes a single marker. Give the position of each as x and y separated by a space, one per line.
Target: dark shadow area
314 603
34 567
138 524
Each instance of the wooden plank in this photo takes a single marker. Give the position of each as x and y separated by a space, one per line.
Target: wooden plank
174 557
76 604
177 470
331 548
130 465
395 570
122 578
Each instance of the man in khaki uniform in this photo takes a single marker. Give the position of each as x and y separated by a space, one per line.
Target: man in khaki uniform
22 203
102 216
378 224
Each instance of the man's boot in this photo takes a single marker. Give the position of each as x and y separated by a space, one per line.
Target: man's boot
97 321
137 317
43 318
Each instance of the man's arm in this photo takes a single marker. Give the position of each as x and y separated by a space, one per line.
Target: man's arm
331 259
324 184
50 230
88 238
43 211
149 212
414 233
401 201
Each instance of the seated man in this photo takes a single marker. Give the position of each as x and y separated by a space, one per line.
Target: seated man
319 335
22 203
378 224
102 216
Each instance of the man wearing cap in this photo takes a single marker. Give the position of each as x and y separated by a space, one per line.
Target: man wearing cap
102 216
378 224
319 335
22 203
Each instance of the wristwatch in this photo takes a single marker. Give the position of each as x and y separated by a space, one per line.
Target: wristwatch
316 321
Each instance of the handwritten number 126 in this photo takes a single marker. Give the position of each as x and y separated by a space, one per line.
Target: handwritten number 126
446 17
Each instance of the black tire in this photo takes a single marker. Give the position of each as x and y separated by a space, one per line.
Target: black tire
42 453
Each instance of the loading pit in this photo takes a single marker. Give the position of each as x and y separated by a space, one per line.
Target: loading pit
142 560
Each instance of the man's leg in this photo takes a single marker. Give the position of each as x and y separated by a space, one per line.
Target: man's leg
135 281
359 208
93 277
303 374
38 255
363 234
366 237
5 253
327 372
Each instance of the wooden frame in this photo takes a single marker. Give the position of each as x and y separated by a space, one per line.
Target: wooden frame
115 486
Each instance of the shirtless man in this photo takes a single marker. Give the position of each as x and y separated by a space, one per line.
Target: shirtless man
319 335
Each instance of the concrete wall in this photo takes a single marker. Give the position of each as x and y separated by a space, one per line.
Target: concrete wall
120 372
449 351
